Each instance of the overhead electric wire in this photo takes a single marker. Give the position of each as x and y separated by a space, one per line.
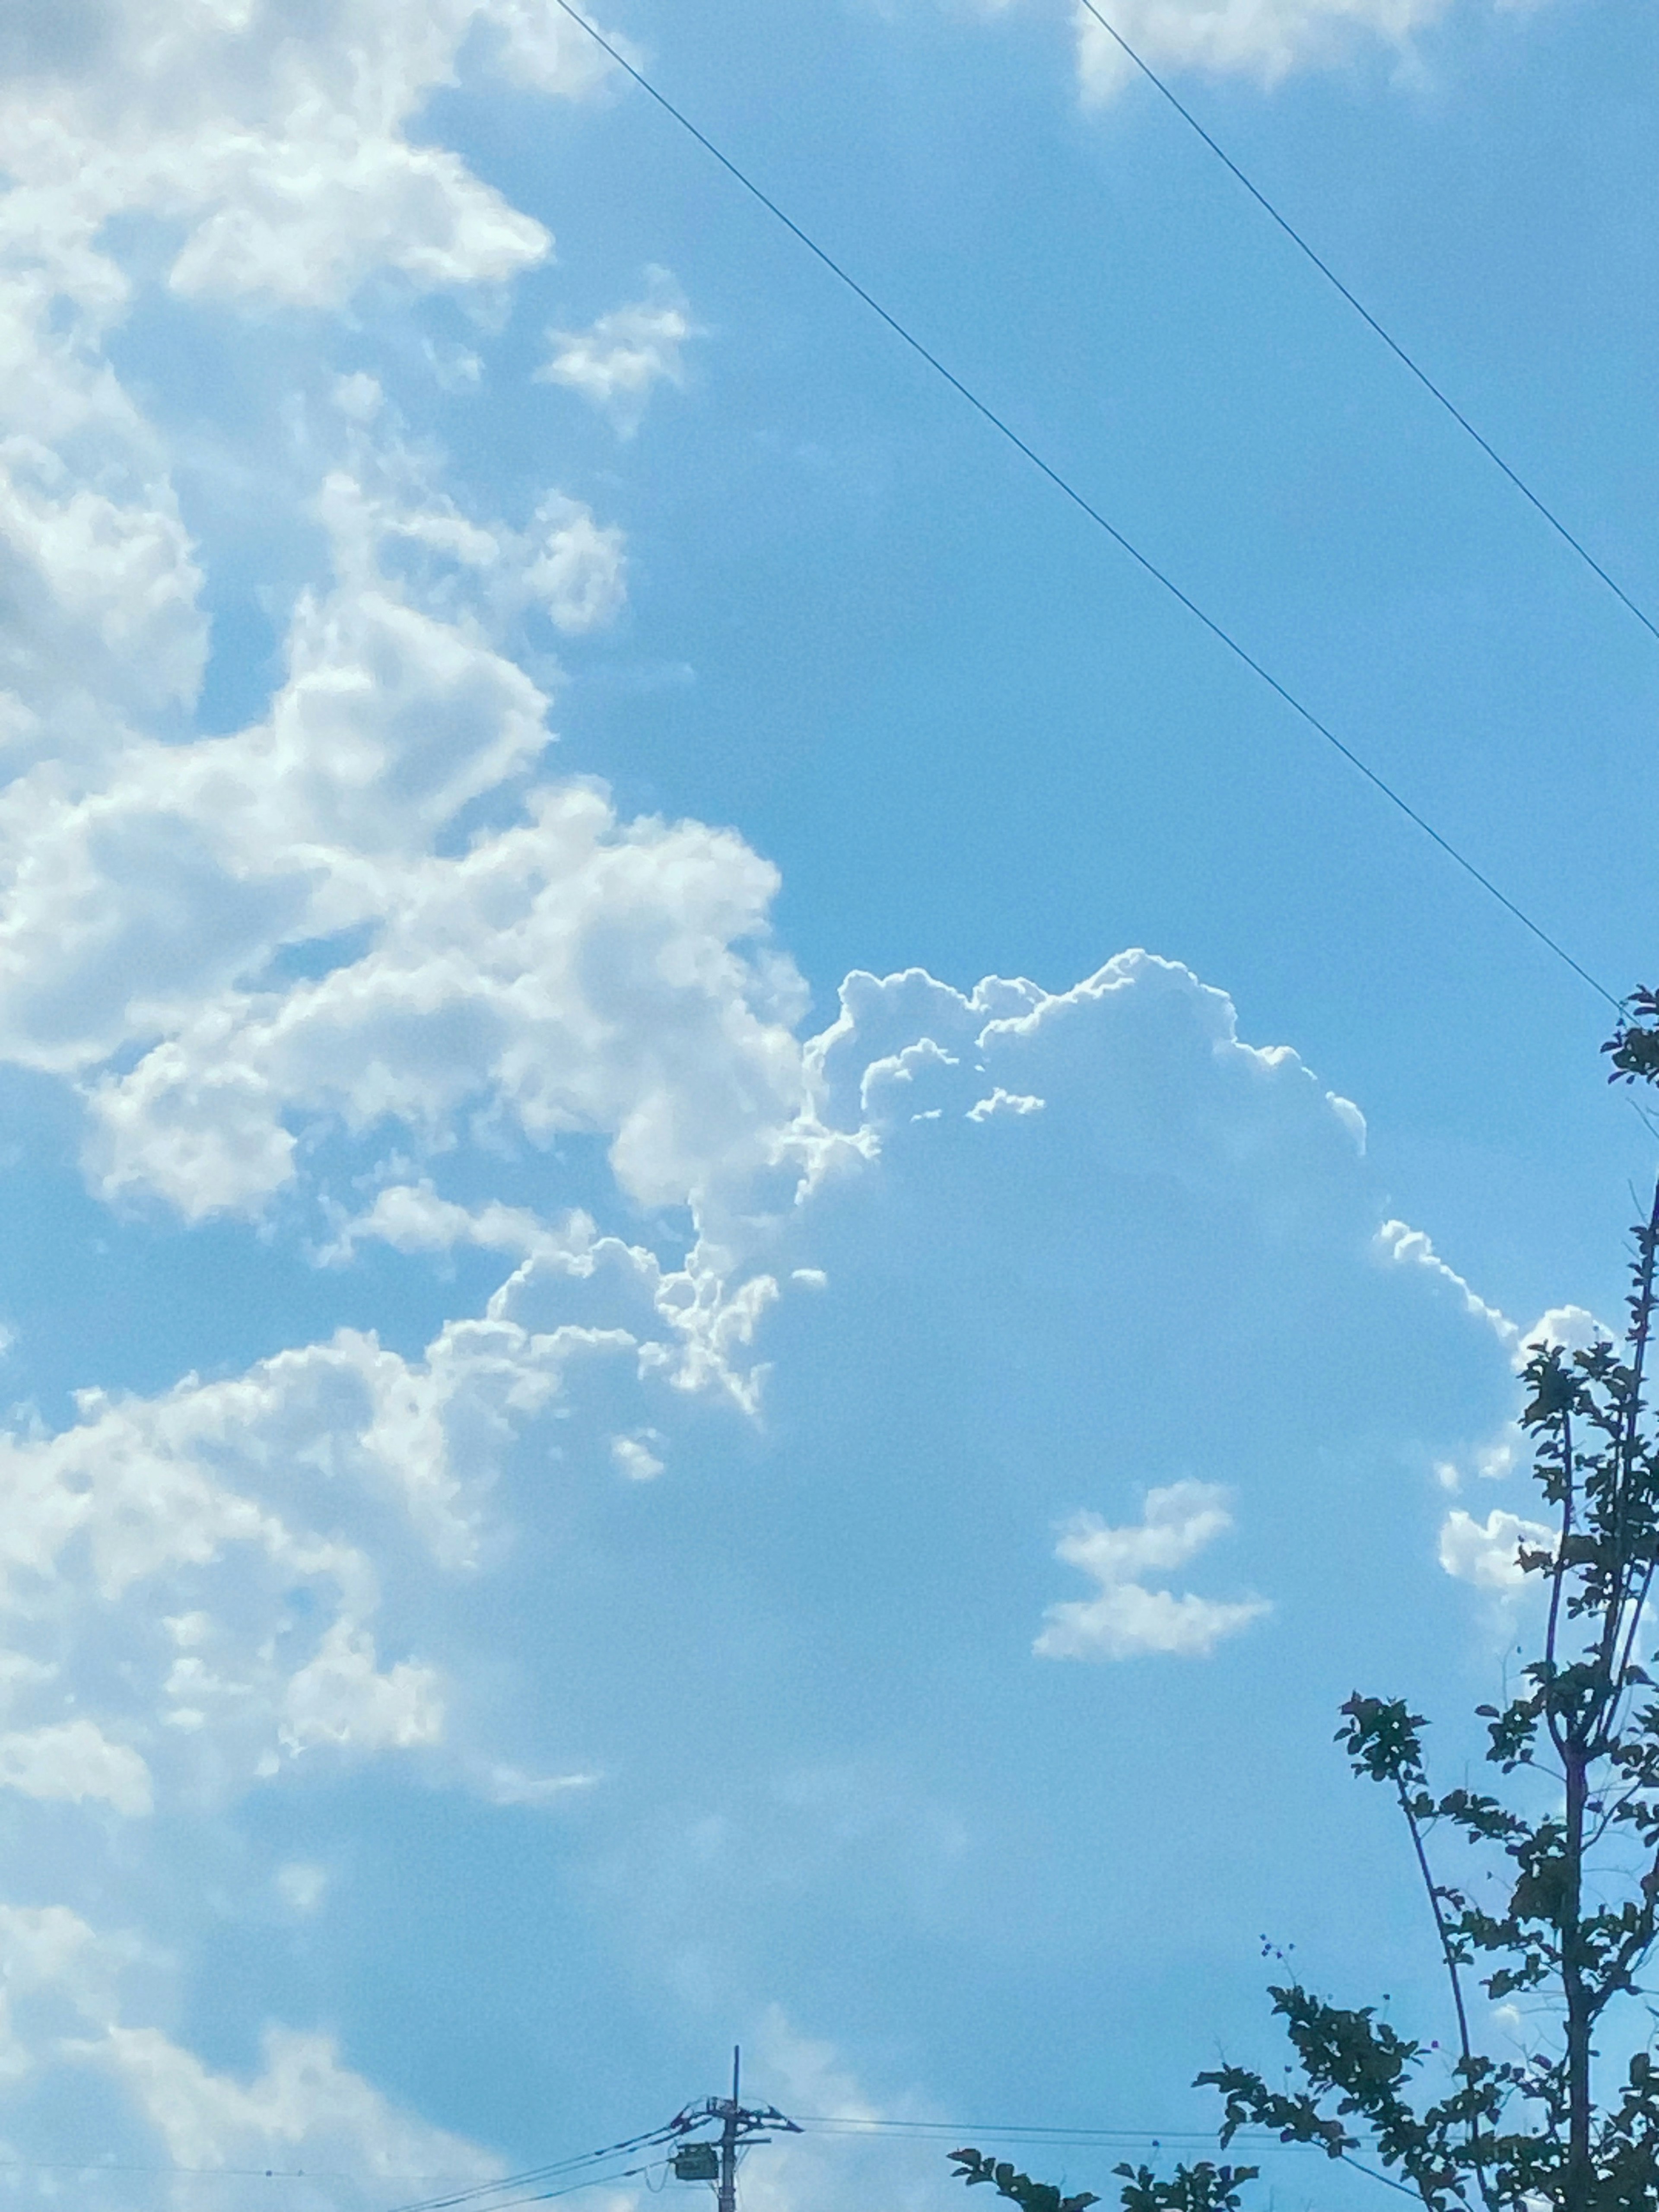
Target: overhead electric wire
1386 2179
1008 2131
1060 2138
486 2197
1365 315
1085 507
596 2181
475 2193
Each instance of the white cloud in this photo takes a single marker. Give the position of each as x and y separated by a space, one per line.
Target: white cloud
1126 1619
1005 1102
1570 1327
63 2004
568 972
412 1218
338 1696
863 2160
1405 1247
274 150
1264 39
258 1569
634 1458
1488 1461
302 1886
100 620
617 362
511 1785
694 1322
303 2106
50 1962
1484 1552
75 1760
174 1487
139 1551
1141 1054
384 508
280 145
541 48
581 574
209 1573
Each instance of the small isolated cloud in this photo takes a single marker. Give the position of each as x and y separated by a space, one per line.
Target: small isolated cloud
302 1886
1484 1552
511 1785
633 1456
1016 1102
1126 1619
581 574
616 363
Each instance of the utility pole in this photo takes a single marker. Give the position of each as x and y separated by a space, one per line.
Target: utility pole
727 2200
715 2158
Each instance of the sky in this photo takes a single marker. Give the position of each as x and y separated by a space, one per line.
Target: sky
751 1234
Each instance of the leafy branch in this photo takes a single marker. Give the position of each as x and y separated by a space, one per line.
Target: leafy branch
1574 1928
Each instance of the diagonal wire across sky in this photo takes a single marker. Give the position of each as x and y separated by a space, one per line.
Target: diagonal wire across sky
1435 391
1093 513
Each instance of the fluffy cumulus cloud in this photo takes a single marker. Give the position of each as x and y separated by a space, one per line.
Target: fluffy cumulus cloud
287 1570
1139 1070
222 1560
1487 1553
234 1557
568 971
1171 1079
274 154
1126 1619
374 980
280 148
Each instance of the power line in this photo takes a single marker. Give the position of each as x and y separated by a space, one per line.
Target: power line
693 2158
1068 2139
487 2196
473 2192
1372 2174
1063 484
599 2181
1370 319
1015 2131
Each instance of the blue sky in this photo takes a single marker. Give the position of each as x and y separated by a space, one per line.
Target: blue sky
753 1236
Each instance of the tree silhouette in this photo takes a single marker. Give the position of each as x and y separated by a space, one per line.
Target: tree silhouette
1571 1832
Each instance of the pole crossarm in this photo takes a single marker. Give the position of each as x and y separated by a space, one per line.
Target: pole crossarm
715 2158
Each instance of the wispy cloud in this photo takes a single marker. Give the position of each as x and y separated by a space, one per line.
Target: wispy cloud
617 362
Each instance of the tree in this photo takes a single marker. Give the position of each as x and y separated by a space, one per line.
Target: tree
1572 1831
1201 2188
